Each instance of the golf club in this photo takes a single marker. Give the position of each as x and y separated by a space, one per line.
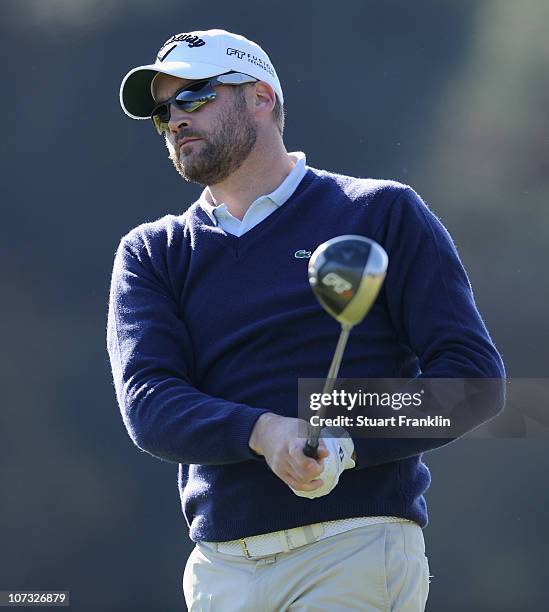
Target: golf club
345 274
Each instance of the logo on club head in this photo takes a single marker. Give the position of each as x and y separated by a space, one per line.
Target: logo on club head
339 285
348 254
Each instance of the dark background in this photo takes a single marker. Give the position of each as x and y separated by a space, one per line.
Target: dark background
450 97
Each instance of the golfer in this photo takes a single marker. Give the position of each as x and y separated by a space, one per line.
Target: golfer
212 321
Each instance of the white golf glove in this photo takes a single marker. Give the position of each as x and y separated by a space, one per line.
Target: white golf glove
339 459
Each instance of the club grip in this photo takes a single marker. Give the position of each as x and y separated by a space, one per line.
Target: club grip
310 450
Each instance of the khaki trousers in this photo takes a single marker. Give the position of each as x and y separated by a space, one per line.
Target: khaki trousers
376 568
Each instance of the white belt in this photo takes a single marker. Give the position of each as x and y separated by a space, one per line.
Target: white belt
268 544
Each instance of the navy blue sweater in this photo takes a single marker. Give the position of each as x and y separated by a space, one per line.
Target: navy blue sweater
207 331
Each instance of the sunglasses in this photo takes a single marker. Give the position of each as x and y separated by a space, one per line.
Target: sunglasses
192 97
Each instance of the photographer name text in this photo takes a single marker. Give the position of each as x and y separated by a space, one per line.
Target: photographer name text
394 421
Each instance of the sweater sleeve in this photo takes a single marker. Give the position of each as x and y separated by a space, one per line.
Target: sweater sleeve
152 360
431 305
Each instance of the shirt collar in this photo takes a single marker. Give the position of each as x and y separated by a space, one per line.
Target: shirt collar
278 197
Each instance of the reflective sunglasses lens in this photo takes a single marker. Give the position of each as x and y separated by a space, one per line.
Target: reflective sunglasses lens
160 117
161 126
191 105
191 99
188 100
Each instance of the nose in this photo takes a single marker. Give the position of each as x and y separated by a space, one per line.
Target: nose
178 119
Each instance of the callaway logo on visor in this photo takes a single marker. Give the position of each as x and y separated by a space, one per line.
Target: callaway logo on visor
191 39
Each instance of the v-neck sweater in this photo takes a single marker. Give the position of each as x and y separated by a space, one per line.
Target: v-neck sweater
208 331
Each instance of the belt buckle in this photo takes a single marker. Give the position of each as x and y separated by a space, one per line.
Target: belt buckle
245 548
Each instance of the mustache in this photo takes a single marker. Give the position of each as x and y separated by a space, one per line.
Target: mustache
186 134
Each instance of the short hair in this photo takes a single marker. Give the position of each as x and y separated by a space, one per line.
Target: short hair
279 115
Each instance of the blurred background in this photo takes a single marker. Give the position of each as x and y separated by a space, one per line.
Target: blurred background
449 97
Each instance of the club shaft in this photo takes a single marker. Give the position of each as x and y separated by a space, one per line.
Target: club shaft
314 432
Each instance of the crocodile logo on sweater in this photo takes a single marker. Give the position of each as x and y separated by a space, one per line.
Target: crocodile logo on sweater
302 254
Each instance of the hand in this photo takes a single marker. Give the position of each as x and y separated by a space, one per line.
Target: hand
340 458
276 438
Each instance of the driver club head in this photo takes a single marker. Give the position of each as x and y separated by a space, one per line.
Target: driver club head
345 274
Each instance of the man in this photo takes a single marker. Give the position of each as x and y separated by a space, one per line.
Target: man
212 322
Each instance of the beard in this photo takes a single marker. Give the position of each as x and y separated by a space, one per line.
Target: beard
221 152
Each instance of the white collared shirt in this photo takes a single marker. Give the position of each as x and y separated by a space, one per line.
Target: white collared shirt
260 208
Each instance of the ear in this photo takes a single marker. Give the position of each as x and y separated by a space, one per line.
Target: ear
264 99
